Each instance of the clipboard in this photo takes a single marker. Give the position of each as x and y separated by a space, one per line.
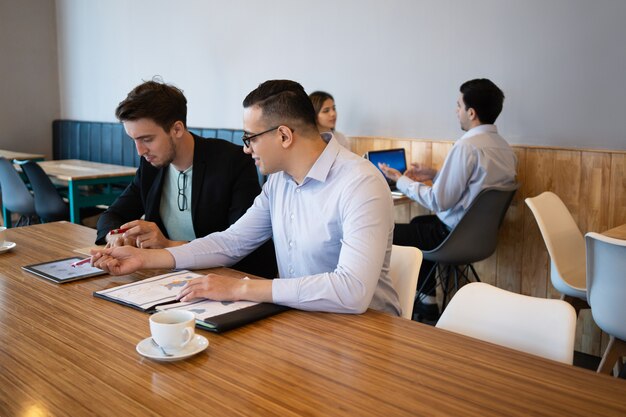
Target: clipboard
159 293
248 313
61 271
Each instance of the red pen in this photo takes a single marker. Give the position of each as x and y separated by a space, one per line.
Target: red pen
81 262
119 231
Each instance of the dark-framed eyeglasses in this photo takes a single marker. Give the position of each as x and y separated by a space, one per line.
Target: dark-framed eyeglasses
182 185
246 138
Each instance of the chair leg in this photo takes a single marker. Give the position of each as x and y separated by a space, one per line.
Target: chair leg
432 271
475 274
615 350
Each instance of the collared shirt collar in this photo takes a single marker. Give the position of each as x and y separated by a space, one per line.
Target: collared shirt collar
320 169
486 128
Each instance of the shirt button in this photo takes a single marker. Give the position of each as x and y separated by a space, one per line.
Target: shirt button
293 216
297 190
291 244
291 271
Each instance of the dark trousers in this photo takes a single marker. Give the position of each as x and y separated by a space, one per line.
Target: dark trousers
425 233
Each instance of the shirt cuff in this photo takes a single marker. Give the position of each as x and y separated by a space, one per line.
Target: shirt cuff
183 259
285 291
403 183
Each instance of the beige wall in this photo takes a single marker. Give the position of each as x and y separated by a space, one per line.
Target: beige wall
29 77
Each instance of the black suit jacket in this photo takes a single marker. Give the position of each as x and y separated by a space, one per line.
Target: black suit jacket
224 185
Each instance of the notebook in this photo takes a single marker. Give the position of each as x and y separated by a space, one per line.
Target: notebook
395 158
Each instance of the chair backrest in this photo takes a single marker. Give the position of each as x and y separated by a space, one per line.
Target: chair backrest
475 237
539 326
564 241
15 195
49 204
606 283
404 270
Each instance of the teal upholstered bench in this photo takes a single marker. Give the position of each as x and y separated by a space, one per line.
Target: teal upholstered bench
108 142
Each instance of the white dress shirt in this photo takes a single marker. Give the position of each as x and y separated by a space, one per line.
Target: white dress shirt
332 234
480 159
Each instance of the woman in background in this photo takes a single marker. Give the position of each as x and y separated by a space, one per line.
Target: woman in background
324 105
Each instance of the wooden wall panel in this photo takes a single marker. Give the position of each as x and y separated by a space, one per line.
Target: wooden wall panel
510 240
591 183
535 262
617 204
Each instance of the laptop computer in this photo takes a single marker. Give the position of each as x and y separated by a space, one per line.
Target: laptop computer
395 158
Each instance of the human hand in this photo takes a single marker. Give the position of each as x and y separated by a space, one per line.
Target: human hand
214 287
119 260
141 234
391 173
420 173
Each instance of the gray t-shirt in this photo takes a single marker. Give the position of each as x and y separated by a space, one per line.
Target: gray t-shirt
176 195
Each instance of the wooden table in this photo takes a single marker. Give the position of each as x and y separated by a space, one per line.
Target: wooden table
75 173
618 232
65 352
22 156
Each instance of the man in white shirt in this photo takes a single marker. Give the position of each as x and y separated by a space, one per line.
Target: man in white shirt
329 212
480 159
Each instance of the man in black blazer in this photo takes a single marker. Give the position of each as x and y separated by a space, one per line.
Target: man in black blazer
186 186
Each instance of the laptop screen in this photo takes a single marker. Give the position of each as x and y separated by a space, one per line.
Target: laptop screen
395 158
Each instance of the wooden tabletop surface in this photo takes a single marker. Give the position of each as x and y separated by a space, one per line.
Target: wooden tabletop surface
23 156
65 352
618 232
76 169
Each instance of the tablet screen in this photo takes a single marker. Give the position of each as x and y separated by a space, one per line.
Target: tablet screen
62 270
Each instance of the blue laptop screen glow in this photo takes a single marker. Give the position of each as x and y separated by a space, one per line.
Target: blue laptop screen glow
395 158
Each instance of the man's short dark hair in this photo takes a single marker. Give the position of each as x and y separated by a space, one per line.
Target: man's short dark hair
283 101
318 98
163 103
484 97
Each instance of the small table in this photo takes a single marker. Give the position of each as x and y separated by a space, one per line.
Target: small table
22 156
618 232
75 173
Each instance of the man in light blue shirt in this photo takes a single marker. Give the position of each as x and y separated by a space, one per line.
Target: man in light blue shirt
480 159
329 211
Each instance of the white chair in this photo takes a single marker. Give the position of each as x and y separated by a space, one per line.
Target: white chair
566 247
404 270
539 326
606 294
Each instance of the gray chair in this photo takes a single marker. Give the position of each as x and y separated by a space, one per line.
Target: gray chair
606 290
473 239
16 197
49 204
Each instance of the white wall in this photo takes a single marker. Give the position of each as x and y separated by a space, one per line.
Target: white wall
394 66
29 79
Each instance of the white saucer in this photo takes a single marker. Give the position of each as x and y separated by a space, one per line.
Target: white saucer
196 345
7 246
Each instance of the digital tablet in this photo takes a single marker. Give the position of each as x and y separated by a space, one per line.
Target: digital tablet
61 270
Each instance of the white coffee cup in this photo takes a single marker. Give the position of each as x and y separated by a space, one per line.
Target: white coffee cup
2 234
173 329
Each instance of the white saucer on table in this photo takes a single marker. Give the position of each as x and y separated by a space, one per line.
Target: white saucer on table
7 246
149 350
